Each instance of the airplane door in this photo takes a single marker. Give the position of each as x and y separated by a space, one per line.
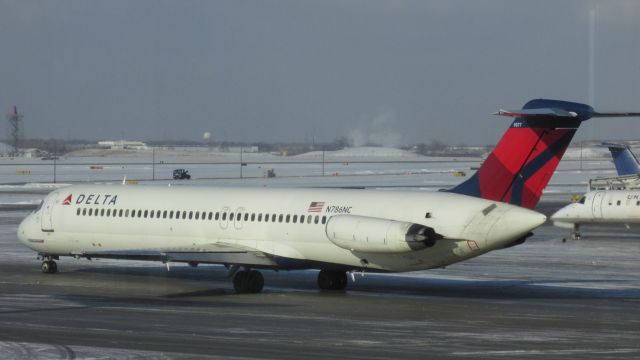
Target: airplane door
47 213
596 204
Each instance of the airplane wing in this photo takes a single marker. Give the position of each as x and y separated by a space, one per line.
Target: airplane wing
215 253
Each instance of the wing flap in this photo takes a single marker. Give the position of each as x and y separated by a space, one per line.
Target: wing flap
218 253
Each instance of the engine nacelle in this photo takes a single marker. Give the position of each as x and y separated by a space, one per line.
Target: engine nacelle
374 235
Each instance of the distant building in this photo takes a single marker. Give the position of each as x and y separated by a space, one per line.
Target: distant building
122 144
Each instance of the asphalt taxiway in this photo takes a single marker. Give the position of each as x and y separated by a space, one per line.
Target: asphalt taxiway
543 299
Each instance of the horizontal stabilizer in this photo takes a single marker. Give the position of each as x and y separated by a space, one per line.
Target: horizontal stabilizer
614 146
616 114
536 112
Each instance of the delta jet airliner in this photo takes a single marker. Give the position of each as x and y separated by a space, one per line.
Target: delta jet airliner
336 231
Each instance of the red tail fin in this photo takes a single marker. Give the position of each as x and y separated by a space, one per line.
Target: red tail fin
523 161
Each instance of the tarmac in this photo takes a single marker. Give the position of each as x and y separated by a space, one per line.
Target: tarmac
547 298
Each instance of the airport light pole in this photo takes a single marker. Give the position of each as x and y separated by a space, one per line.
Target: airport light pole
55 159
322 160
153 163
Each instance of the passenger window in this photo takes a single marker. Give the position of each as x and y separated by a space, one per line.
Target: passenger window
618 202
190 215
102 212
210 215
280 218
184 214
146 213
171 214
295 218
139 213
638 203
273 217
197 215
224 216
108 212
309 218
301 219
288 218
84 211
324 219
266 217
315 221
246 216
78 211
253 216
90 212
231 215
217 215
151 214
120 213
239 216
259 217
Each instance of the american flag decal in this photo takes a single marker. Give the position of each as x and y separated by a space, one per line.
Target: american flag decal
316 206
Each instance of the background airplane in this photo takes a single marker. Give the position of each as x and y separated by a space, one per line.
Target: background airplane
625 161
605 206
336 231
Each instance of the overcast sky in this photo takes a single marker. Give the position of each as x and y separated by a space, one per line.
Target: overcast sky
394 72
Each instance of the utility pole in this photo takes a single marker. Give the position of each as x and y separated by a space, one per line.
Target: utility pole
153 161
322 160
55 159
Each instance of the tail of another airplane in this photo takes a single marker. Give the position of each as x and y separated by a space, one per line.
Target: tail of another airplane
626 163
522 163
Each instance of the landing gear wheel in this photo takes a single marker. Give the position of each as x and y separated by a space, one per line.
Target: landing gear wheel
575 234
49 267
248 282
332 280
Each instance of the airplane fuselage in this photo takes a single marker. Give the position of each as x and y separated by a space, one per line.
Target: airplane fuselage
290 226
600 207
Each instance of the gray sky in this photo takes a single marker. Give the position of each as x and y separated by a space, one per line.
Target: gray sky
266 70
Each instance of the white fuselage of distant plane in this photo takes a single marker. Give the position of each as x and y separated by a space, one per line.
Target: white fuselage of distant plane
293 228
601 207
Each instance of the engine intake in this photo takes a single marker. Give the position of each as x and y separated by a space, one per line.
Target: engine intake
375 235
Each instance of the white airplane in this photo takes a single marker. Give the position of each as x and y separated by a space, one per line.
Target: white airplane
336 231
621 207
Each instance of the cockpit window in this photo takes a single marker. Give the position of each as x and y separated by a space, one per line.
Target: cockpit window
581 201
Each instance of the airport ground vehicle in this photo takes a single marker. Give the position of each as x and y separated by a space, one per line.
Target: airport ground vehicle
181 174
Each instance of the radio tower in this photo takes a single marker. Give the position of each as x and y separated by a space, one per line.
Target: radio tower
15 122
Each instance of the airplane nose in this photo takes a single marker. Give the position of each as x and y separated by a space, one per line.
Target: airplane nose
515 223
22 231
560 214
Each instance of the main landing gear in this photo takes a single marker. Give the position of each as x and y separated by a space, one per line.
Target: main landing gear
248 281
332 280
49 266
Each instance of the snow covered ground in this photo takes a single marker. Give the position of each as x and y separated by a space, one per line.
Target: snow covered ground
25 181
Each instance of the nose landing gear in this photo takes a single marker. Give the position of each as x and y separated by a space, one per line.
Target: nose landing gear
49 266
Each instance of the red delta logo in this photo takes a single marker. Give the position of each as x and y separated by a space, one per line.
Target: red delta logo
67 200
